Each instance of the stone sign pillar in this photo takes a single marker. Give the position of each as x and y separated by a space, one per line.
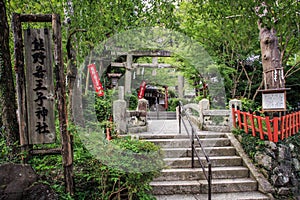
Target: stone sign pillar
119 112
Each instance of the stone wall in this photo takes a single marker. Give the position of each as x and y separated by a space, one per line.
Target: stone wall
279 162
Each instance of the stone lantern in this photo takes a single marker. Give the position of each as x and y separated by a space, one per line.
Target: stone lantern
114 77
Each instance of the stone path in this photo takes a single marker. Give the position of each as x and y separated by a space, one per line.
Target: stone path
163 127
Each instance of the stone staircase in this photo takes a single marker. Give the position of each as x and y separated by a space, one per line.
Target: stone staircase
231 179
161 115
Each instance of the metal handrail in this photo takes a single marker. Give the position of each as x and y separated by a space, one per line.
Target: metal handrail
194 137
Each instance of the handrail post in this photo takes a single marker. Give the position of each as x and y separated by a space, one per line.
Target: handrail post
209 181
193 136
193 143
179 117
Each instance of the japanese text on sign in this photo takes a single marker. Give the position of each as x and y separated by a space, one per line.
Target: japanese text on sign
39 81
96 80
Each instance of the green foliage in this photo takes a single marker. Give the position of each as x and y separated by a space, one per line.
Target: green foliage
132 100
228 30
103 105
248 104
198 98
5 151
143 178
249 143
228 74
173 103
96 180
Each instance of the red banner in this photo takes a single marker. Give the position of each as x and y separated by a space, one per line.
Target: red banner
142 90
96 80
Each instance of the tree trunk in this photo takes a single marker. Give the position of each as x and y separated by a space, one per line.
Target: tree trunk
271 59
74 90
7 89
71 74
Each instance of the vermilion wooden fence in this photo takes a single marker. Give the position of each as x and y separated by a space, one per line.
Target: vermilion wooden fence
272 129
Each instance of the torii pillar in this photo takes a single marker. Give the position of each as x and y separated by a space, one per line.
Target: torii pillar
128 74
180 86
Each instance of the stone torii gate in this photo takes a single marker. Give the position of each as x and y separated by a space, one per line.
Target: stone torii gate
129 65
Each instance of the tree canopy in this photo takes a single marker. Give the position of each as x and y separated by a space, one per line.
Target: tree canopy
229 32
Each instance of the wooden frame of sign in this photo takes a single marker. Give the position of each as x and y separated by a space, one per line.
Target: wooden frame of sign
274 100
26 137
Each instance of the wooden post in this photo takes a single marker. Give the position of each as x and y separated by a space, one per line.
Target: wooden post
290 124
268 125
67 149
294 123
233 116
275 129
238 112
261 132
297 121
252 124
21 85
245 122
282 128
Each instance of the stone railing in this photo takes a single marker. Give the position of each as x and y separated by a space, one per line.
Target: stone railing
212 120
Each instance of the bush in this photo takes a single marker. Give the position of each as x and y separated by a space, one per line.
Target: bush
172 104
249 143
96 179
248 104
103 106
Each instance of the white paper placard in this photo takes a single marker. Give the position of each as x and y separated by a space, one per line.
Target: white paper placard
273 101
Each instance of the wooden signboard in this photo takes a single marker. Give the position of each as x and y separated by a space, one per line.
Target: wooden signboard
274 100
35 92
39 86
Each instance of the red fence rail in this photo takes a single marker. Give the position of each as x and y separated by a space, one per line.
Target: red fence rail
272 129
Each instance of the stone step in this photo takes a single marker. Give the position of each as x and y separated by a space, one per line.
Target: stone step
179 142
201 134
197 173
210 151
216 161
254 195
201 186
161 115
